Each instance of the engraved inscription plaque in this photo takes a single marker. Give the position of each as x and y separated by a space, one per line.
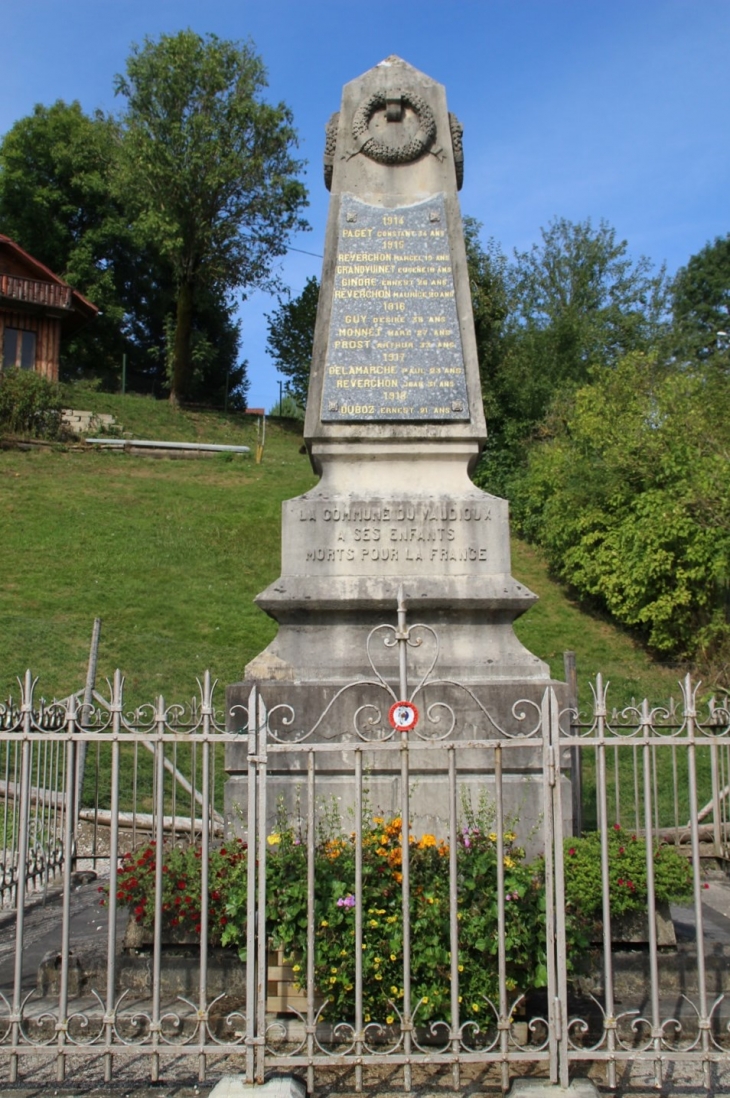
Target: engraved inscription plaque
394 350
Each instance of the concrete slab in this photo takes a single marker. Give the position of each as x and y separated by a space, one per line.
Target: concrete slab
540 1088
278 1086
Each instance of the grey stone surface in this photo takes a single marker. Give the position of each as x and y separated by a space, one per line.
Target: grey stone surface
394 424
279 1086
540 1088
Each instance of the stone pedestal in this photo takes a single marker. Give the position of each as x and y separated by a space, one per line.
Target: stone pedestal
394 425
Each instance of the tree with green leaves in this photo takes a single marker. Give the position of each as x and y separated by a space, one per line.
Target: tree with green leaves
207 168
57 167
629 498
291 337
577 300
701 303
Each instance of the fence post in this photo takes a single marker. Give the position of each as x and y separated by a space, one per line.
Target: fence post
82 745
576 758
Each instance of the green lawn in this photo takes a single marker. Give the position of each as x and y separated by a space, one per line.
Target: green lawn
170 554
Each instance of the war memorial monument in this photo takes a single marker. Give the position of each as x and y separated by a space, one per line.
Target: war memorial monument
394 425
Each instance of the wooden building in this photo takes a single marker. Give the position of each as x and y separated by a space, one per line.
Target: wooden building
37 309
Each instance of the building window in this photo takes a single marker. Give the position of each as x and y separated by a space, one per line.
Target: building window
19 348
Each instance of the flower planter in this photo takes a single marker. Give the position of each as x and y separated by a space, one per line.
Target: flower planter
633 930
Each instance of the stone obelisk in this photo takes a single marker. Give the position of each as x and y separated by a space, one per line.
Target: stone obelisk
394 425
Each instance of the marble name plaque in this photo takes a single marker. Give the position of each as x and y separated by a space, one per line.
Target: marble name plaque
394 350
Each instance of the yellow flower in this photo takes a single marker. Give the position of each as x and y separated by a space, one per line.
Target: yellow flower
389 1019
343 953
394 990
508 862
334 971
378 820
297 968
461 968
392 956
333 979
373 923
426 841
367 1017
424 1000
492 836
475 1007
324 923
378 975
392 919
272 840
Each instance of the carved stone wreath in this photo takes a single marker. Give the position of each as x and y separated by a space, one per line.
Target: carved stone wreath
381 151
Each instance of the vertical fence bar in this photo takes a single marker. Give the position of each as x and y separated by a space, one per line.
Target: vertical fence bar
207 714
159 779
252 722
649 762
71 776
402 638
690 716
311 926
111 938
556 809
358 920
553 1016
576 757
503 1022
21 817
262 944
716 818
609 1008
454 919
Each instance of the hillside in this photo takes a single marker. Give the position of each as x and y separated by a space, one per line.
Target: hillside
170 554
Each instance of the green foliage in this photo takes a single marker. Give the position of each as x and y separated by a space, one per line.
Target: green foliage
630 500
575 301
181 886
701 304
29 405
57 167
627 877
381 904
288 408
291 337
206 168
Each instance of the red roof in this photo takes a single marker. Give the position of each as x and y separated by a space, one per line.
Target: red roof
44 274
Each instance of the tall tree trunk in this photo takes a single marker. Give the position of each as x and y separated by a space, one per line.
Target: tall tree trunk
181 366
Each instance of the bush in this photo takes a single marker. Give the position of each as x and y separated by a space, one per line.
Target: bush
626 879
629 498
29 405
336 901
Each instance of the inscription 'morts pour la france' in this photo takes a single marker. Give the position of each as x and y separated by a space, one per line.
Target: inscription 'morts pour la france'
394 349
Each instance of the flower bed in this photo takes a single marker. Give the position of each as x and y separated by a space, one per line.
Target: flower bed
380 900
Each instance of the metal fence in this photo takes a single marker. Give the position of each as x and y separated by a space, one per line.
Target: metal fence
397 948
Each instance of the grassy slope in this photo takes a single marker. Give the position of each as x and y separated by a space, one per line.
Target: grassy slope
171 553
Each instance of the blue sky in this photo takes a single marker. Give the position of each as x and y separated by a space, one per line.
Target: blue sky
572 108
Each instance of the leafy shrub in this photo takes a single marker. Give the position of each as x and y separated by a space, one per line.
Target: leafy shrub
630 499
181 886
381 902
626 876
29 405
336 901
